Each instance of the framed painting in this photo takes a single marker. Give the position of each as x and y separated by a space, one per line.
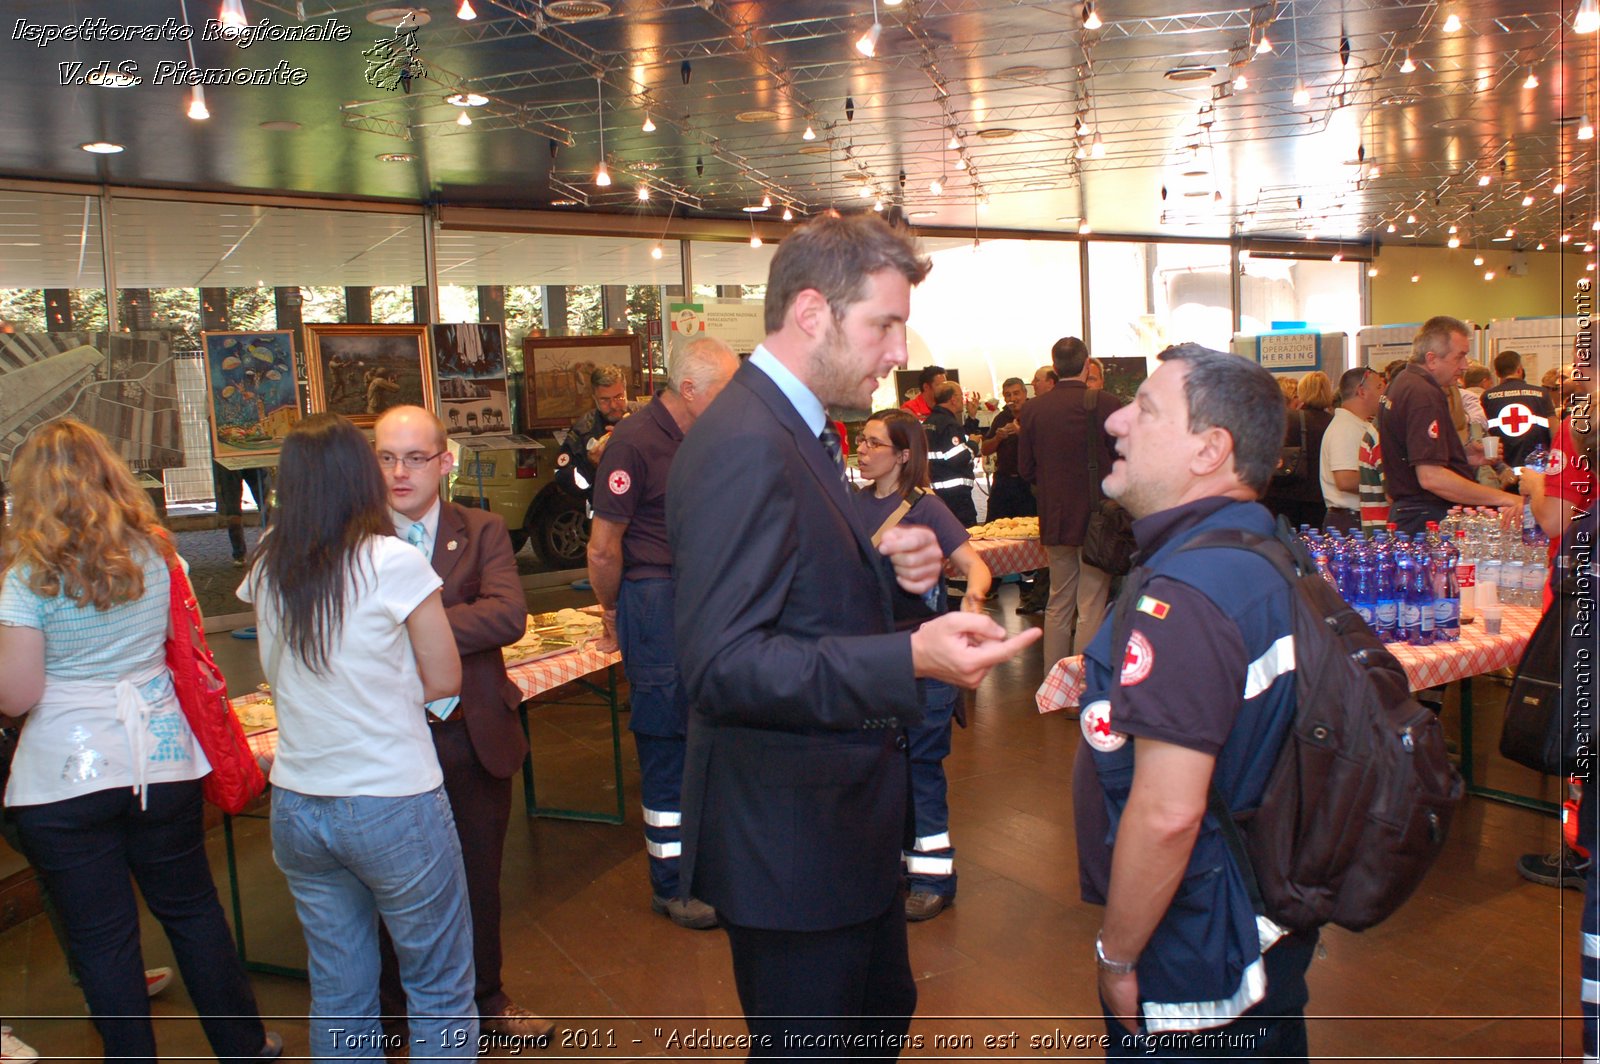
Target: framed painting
470 361
362 370
556 374
251 392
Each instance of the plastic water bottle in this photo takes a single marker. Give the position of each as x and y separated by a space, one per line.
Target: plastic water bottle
1411 581
1339 562
1537 460
1510 582
1388 603
1323 560
1446 591
1466 576
1535 570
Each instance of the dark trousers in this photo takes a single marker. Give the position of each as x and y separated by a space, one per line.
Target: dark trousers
661 791
930 863
228 487
90 851
1010 496
1411 516
798 988
481 805
1275 1029
1341 520
960 502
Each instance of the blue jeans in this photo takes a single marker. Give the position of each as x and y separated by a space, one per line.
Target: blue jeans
350 861
931 865
658 717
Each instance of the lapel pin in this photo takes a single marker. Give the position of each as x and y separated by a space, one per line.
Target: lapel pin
451 545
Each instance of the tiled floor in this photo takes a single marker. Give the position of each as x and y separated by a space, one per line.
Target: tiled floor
1479 965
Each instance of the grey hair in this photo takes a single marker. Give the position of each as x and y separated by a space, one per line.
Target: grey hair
1434 337
698 361
1234 394
605 377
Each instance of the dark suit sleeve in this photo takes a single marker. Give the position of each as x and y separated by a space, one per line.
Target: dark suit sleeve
498 616
1026 469
736 547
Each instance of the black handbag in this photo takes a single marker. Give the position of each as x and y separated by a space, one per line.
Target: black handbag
1108 542
1292 460
1550 712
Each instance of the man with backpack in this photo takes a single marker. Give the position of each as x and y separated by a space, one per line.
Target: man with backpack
1201 689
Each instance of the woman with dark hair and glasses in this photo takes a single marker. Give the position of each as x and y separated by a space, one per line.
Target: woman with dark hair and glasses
892 454
354 639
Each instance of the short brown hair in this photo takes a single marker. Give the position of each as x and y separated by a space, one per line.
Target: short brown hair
945 391
906 434
835 254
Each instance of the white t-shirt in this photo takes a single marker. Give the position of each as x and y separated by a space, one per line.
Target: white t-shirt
1341 445
359 728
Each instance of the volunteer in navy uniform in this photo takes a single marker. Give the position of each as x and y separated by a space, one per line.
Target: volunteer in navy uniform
1517 412
796 775
1201 693
630 566
893 454
477 736
586 441
950 462
1425 464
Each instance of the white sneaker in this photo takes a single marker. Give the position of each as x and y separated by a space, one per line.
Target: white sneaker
156 980
14 1048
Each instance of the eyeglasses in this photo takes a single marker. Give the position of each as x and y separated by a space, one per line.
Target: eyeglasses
412 462
867 443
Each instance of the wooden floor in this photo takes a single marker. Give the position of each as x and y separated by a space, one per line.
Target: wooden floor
1480 965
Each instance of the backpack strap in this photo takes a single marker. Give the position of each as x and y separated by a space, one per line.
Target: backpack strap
898 515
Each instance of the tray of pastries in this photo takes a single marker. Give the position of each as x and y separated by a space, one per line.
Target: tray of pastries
1007 528
554 633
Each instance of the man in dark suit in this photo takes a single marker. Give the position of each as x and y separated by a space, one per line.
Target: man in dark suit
478 736
796 775
1059 428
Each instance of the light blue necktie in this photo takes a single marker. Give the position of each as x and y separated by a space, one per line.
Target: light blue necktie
417 536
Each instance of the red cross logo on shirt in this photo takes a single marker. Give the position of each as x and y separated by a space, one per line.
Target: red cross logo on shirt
619 482
1097 730
1139 659
1516 419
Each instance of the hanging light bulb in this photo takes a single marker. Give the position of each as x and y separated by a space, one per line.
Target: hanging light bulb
1091 17
643 193
1452 230
1452 23
601 176
463 119
1510 233
1391 228
1264 46
655 252
755 241
1483 180
865 192
788 214
877 205
809 134
1099 148
1302 95
232 14
955 143
961 164
1454 242
1587 20
1411 219
1527 201
1241 82
766 201
936 186
1409 66
867 43
1416 277
465 12
1532 81
1477 260
1081 153
1083 227
649 123
197 105
1372 271
1558 188
1338 256
1585 130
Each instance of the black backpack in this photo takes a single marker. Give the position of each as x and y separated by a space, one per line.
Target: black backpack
1361 794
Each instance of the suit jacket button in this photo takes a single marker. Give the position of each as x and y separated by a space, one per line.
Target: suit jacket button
900 743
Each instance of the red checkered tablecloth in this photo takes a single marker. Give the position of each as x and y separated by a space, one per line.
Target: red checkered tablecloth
1476 653
1004 556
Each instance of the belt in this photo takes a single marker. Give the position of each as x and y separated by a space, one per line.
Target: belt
452 719
1344 510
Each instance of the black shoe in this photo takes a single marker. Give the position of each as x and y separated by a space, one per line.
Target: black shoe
272 1048
1561 869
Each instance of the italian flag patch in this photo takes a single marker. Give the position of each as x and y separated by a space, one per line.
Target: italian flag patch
1153 606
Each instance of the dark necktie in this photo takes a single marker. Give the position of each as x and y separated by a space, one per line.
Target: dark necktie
832 443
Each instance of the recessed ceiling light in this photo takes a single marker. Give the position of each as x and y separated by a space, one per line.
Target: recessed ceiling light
997 133
1038 186
280 125
1190 73
397 157
1197 173
1454 125
813 149
753 208
466 99
111 79
576 10
1025 70
394 16
1400 99
101 147
922 214
1198 193
563 203
757 115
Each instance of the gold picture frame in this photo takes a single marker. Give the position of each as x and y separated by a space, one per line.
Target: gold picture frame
347 367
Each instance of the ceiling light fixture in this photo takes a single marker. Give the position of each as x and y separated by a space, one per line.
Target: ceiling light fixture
1411 219
1454 242
1532 81
101 147
643 193
655 252
867 43
1302 95
755 241
1484 180
649 124
1409 66
1587 20
1558 188
1390 228
1585 130
936 186
788 213
232 14
766 201
955 142
1083 227
601 178
1416 277
809 134
1091 17
465 12
1452 23
466 99
1240 82
197 104
1527 201
1477 260
1488 275
463 119
1265 44
877 205
1099 148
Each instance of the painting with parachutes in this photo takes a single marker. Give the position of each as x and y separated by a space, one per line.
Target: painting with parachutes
250 382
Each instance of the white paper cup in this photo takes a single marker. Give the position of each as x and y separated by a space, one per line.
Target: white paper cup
1491 448
1491 619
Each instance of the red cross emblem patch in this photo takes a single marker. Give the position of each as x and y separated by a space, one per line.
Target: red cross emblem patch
619 482
1433 429
1555 463
1096 724
1516 419
1139 659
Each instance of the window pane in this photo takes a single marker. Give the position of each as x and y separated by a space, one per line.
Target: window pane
1145 297
1324 295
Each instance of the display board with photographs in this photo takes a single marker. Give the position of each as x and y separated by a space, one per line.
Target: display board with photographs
556 381
250 388
362 370
471 363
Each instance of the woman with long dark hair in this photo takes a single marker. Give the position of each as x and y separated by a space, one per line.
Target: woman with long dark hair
105 787
893 454
353 639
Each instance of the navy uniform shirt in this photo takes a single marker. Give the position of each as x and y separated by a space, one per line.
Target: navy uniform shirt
1005 452
631 487
1414 428
1519 413
929 511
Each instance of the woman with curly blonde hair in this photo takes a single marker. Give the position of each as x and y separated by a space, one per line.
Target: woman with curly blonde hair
105 786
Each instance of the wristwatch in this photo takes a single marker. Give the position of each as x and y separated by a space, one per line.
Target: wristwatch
1106 964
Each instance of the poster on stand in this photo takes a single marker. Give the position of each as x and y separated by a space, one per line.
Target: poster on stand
739 324
470 360
250 392
362 370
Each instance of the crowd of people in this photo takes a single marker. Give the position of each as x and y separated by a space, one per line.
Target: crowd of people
796 658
